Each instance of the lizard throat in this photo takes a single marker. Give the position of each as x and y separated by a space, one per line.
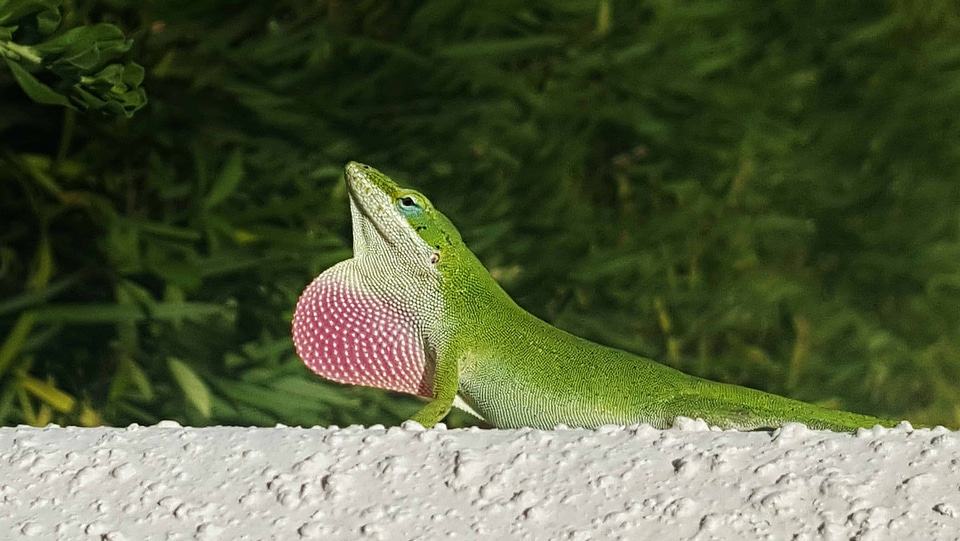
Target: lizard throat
349 335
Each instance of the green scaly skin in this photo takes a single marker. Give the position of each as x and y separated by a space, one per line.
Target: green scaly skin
508 367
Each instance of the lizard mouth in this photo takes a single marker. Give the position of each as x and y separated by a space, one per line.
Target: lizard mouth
360 188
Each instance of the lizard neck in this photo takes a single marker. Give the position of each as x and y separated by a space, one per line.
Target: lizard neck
473 301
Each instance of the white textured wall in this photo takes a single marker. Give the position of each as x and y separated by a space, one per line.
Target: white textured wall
168 482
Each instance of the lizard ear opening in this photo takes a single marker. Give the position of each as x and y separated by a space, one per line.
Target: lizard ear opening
435 258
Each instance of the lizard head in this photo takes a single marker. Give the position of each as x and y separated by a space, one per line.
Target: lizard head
378 318
367 320
398 223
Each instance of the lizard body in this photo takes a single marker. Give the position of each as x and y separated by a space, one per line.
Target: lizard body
415 311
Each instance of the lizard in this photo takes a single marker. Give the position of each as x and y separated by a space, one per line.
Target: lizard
415 311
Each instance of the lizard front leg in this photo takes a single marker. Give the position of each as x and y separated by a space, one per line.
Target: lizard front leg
446 382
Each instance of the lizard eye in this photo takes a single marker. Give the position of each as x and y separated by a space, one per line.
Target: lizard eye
408 204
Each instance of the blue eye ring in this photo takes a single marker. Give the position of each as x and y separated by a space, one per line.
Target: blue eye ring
408 204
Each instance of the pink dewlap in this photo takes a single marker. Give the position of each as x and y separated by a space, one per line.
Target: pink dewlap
350 336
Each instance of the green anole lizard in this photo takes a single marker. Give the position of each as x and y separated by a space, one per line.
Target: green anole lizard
415 311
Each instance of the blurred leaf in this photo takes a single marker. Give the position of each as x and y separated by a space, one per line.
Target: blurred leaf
48 394
89 417
130 374
85 46
226 181
37 91
13 342
45 12
502 47
110 313
30 298
43 264
194 389
255 395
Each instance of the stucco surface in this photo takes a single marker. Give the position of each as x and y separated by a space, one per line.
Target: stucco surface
690 482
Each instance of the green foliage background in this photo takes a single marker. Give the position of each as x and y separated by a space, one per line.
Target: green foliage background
760 192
